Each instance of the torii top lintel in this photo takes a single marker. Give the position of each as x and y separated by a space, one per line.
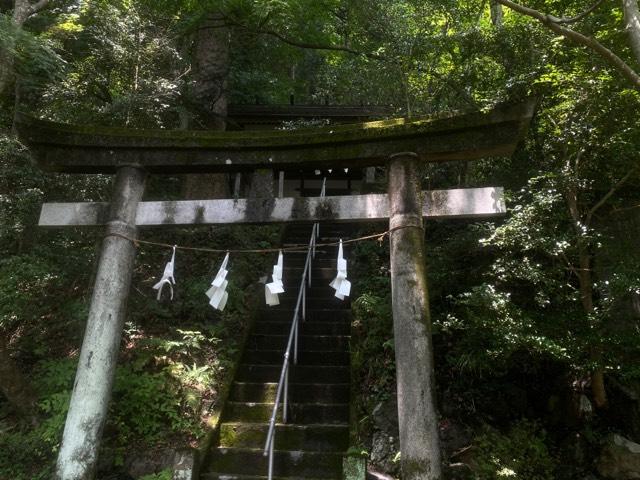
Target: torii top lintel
82 149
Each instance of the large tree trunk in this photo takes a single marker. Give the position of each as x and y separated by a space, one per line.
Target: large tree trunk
7 70
496 13
22 10
209 99
14 386
632 21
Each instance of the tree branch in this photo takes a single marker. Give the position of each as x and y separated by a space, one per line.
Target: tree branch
608 195
578 17
316 46
606 54
38 6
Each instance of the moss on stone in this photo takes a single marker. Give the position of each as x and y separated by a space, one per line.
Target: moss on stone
42 131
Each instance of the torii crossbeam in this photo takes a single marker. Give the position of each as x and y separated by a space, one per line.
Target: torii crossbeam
403 145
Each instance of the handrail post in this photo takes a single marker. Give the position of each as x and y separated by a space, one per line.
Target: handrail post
271 461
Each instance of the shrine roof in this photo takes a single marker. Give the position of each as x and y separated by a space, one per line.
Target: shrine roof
452 136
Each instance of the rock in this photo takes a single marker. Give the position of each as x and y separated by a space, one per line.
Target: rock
148 462
383 451
385 417
619 459
354 468
185 464
384 442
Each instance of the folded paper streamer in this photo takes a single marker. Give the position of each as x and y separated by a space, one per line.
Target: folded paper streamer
217 293
271 290
167 276
340 284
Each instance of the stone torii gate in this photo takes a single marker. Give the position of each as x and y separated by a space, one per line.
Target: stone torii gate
403 145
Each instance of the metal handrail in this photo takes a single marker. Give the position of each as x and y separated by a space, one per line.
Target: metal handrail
283 383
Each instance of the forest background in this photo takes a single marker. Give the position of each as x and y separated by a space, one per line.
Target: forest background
535 316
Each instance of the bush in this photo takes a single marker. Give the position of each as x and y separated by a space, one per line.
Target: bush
520 454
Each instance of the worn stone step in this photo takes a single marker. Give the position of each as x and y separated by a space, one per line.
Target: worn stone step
296 464
297 374
317 438
305 342
274 314
305 357
226 476
319 274
317 289
301 413
328 304
288 301
298 392
304 328
321 260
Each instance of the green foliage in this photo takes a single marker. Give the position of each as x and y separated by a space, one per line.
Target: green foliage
520 454
32 57
164 475
372 352
505 296
146 405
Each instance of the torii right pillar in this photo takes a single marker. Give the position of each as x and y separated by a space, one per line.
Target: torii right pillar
418 419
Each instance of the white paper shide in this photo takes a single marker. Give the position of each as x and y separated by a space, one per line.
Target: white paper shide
340 284
167 276
271 290
217 293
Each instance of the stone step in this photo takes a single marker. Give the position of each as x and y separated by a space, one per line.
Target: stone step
301 413
305 357
295 464
298 392
288 301
321 260
226 476
305 342
319 274
317 438
274 314
297 374
333 303
304 328
317 289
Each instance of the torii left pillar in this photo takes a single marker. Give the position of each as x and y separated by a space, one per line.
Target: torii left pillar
97 364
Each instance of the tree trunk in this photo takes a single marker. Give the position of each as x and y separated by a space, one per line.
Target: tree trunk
7 72
14 385
585 285
496 13
585 282
209 99
632 21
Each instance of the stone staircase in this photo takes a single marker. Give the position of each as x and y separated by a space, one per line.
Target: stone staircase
311 444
